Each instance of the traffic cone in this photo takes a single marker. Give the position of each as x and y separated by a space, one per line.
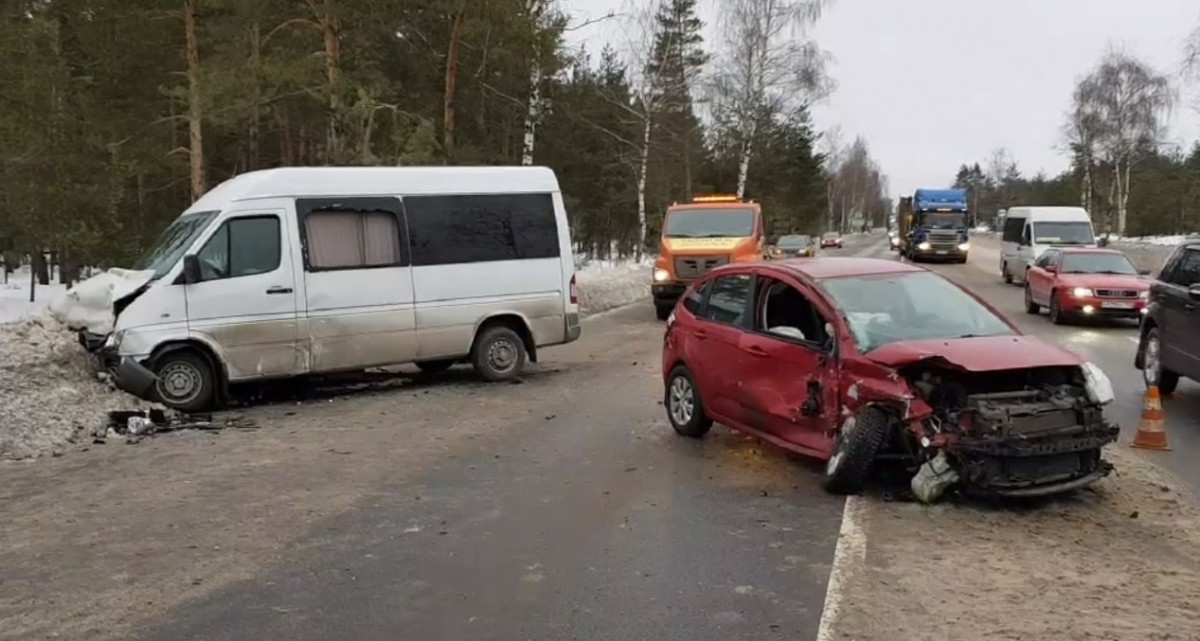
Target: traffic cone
1151 434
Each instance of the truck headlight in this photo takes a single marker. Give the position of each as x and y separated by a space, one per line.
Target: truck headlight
962 247
1099 387
1081 292
924 247
661 275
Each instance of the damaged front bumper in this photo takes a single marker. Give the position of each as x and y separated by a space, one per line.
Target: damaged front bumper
126 373
1021 444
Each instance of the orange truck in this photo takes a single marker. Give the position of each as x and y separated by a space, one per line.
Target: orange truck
699 236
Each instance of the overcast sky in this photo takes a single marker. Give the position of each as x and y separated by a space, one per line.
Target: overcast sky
932 84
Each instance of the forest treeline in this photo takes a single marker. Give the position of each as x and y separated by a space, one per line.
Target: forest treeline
116 115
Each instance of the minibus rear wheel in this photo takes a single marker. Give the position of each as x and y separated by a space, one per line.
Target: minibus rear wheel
185 381
499 353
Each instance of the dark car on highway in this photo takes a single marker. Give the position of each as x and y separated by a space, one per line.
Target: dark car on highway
852 359
797 245
1169 344
1080 282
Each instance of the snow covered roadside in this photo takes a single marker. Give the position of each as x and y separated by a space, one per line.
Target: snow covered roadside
1145 254
51 397
14 297
607 284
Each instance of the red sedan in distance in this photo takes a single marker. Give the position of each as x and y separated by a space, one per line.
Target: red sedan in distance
1079 282
831 239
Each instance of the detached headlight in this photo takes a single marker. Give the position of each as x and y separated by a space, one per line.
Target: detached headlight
1099 387
661 275
962 247
1081 292
924 246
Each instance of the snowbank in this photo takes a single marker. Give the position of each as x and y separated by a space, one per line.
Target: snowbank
605 284
14 298
51 395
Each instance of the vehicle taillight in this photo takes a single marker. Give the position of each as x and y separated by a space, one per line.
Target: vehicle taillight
574 291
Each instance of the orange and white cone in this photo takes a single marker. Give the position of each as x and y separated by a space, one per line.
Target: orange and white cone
1151 434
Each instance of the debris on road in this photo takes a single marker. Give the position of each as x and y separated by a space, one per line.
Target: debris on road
52 395
134 426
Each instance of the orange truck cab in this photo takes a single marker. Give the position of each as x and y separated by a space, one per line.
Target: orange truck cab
699 236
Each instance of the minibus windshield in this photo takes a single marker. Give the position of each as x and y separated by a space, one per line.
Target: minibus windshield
173 242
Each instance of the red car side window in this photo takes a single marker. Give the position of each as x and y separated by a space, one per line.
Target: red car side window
782 308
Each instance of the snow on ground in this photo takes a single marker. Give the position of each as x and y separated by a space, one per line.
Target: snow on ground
1170 241
14 297
51 397
607 284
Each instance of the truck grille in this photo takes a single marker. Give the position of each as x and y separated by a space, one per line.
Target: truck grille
1117 293
943 239
693 267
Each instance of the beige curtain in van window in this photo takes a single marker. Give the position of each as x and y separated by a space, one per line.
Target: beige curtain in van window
335 238
381 239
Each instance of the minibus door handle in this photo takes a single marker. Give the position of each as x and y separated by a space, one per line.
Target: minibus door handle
279 290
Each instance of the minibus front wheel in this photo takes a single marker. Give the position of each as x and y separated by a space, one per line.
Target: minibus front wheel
185 380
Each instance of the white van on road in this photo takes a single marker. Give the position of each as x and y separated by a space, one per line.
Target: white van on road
1029 231
295 271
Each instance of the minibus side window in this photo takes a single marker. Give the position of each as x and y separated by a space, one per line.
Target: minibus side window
354 233
241 247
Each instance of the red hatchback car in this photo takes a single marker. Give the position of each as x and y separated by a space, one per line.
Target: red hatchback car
854 359
1079 282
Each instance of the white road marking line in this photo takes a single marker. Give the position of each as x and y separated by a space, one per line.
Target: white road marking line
850 552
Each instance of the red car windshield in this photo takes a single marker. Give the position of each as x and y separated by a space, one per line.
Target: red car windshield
890 308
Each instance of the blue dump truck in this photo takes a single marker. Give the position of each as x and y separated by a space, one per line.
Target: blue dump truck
933 225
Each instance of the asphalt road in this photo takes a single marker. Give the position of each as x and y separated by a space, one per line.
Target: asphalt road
589 519
562 508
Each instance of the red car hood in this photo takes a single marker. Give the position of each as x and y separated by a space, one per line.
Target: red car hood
982 354
1104 281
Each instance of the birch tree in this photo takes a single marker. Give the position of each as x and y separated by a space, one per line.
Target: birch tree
1082 133
770 59
1128 101
548 25
1191 60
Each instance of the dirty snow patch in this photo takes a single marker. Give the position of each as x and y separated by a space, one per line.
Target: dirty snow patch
608 284
51 396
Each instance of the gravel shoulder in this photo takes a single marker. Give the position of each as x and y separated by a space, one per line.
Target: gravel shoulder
1120 561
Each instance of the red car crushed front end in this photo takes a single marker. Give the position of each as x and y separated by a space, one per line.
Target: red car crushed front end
991 412
1001 415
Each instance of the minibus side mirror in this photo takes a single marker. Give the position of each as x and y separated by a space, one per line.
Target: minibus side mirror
191 269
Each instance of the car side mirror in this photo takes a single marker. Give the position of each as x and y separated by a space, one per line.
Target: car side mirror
191 269
1102 241
1194 292
1051 269
1145 272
